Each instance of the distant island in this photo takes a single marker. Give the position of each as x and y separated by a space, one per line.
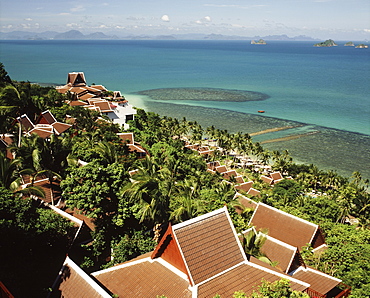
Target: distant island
326 43
261 41
349 44
362 46
78 35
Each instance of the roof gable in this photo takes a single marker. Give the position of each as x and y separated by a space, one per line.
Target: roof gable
144 278
244 277
76 78
74 282
127 137
46 117
25 122
283 226
319 281
209 245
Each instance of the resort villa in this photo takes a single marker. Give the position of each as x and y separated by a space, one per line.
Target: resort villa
201 257
95 98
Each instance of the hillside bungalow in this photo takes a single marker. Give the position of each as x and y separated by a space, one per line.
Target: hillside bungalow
134 147
200 257
287 228
44 127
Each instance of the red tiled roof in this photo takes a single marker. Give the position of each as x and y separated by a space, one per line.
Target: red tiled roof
245 277
74 282
283 226
320 282
25 122
209 245
76 78
60 127
276 176
74 103
280 252
52 192
246 202
246 186
42 132
254 192
229 174
46 118
143 278
127 137
266 179
221 169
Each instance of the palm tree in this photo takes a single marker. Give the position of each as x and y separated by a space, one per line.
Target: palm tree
187 202
252 243
150 191
11 177
107 151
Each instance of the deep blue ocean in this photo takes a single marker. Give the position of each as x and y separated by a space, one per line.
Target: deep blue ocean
321 87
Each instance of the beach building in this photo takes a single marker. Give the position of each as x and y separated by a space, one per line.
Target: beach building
95 98
44 126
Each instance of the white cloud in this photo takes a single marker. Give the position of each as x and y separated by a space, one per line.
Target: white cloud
28 19
165 18
207 19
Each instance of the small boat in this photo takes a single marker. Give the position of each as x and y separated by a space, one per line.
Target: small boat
261 111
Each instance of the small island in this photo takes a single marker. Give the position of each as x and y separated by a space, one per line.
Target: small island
349 44
362 46
261 41
326 43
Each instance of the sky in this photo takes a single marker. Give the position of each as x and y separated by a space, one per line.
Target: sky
322 19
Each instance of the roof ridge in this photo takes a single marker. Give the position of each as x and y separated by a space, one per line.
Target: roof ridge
199 218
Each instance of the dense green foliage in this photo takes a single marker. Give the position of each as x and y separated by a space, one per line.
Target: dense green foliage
33 245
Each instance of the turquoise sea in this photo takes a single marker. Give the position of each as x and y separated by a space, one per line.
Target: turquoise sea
323 92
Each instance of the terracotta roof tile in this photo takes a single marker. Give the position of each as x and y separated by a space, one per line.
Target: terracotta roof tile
60 127
245 277
246 202
320 282
283 226
74 282
127 137
209 245
246 186
280 252
254 192
144 278
25 122
213 164
221 169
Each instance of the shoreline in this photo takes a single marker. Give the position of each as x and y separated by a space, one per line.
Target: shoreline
330 149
